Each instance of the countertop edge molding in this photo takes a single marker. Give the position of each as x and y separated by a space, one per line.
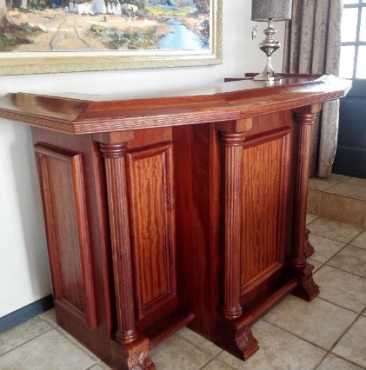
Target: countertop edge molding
82 116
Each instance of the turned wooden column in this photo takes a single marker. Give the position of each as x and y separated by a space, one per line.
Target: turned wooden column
233 152
305 120
115 167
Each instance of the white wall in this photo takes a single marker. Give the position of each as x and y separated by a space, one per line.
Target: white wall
24 275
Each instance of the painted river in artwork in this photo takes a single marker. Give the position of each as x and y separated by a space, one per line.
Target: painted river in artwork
181 38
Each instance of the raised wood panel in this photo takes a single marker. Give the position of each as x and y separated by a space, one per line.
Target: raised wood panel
150 179
63 191
263 208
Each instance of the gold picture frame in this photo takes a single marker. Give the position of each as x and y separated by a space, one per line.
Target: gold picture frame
34 62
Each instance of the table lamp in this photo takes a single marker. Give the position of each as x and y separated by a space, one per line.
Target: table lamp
270 11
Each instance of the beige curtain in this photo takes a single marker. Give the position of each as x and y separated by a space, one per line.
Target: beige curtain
313 46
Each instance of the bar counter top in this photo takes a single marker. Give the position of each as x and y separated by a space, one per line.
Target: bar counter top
220 102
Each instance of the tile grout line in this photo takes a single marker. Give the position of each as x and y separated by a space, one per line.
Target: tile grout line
321 361
335 267
26 342
332 186
330 351
79 345
72 340
295 335
347 244
358 315
212 360
350 273
341 358
336 240
327 351
96 364
340 306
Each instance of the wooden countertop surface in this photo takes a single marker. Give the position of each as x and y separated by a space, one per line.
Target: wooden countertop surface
88 114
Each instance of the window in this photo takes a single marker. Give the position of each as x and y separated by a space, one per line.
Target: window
353 51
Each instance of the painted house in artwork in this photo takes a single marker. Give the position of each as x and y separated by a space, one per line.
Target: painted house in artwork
81 25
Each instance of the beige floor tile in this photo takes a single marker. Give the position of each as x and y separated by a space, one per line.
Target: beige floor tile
343 209
334 230
49 316
360 241
324 184
178 354
342 288
217 365
324 248
353 345
351 259
314 198
199 341
357 181
50 351
315 263
310 218
350 190
319 322
74 341
100 367
279 350
22 333
335 363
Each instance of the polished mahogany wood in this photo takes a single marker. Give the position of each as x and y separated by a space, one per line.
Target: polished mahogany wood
63 190
186 209
114 156
233 184
305 120
87 114
153 227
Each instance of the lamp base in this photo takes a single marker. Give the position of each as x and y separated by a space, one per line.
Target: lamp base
269 46
265 77
268 73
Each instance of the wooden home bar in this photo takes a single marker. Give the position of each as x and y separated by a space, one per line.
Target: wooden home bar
186 208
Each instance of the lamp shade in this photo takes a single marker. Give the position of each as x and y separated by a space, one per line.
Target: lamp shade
277 10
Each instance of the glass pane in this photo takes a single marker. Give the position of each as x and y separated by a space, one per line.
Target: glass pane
349 24
363 25
347 61
346 2
361 63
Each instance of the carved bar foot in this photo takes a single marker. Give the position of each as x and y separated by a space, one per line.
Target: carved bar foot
246 342
309 249
238 339
141 362
307 289
135 356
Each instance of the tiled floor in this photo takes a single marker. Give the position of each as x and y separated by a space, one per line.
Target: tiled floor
327 334
339 198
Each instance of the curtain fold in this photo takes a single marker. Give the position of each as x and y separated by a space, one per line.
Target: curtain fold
313 40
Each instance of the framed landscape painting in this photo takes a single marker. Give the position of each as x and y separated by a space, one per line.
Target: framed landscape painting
45 36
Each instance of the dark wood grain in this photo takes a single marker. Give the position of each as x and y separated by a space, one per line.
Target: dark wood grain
261 250
114 155
89 114
63 191
307 288
183 209
233 153
150 174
